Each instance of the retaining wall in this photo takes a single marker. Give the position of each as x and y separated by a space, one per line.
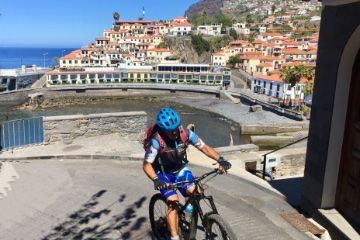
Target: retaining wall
67 128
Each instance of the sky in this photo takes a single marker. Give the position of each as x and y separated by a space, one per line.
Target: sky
73 23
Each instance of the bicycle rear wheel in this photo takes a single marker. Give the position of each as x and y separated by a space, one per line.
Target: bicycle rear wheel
219 229
157 214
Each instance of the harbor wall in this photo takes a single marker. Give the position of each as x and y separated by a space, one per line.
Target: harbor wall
67 128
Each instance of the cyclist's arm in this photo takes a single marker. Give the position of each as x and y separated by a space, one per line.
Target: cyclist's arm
149 158
210 152
203 147
149 170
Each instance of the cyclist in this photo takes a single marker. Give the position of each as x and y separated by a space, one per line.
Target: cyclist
165 161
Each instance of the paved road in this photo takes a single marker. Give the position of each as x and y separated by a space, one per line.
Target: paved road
103 199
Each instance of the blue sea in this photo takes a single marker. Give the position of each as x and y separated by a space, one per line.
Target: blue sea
12 57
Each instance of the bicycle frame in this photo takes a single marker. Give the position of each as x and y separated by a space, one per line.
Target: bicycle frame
196 198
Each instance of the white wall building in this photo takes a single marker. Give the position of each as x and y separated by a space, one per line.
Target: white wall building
211 30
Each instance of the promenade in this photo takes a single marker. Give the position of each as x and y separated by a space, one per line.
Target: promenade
95 189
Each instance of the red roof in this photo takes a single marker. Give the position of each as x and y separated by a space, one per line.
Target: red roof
103 39
181 24
74 55
264 65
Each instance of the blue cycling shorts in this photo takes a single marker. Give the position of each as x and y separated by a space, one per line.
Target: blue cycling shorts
183 175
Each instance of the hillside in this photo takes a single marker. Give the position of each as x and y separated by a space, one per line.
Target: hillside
215 7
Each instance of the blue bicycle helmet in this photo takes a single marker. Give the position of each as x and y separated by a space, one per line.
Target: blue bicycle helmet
168 119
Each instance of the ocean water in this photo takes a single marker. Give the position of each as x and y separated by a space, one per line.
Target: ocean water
11 57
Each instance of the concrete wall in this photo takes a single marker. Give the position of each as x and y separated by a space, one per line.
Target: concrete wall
67 128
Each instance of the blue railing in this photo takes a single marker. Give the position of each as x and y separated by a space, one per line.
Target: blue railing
20 133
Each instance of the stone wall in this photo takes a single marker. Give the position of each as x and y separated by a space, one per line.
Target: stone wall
291 165
67 128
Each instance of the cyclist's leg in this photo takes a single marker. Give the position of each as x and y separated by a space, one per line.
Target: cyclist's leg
172 215
186 175
172 201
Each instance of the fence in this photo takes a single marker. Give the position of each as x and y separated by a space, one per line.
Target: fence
19 133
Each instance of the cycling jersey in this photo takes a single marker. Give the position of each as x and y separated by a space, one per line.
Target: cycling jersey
173 157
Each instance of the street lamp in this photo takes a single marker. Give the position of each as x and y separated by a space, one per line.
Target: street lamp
62 52
44 54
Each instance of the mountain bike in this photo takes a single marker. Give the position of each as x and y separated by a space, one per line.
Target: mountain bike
213 225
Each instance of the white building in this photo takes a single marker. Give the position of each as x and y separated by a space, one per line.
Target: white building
180 28
272 85
211 30
241 28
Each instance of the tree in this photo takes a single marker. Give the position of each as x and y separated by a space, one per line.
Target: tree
224 20
217 42
249 19
293 75
204 16
200 44
233 34
233 60
161 45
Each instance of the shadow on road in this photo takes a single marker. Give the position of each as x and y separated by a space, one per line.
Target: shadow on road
87 223
291 188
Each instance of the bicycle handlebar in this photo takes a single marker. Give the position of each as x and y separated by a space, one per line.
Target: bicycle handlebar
195 180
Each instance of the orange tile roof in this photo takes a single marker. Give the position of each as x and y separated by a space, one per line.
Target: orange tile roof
181 24
272 77
251 53
221 53
103 39
74 55
271 34
237 42
270 58
296 51
250 57
258 42
264 65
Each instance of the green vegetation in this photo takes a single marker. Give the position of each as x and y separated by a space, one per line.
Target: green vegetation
283 28
224 20
249 19
200 44
292 75
233 60
233 34
161 45
216 43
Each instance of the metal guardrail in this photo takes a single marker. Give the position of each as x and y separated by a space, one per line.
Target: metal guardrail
20 133
265 155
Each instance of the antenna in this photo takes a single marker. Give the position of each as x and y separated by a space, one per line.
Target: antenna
143 13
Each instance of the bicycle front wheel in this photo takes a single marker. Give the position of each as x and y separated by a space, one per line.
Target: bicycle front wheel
157 215
219 229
